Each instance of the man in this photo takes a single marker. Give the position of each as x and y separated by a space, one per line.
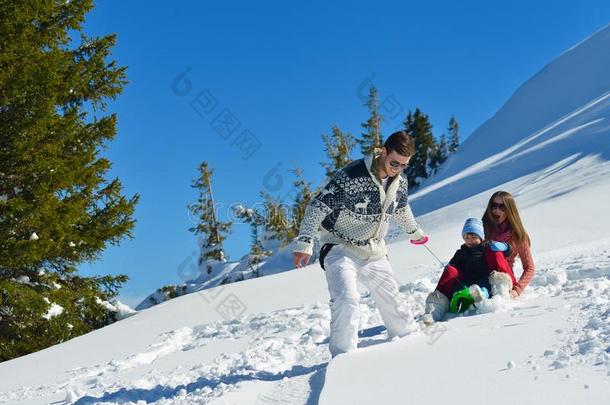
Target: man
354 209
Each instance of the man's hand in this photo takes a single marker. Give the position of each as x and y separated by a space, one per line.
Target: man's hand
514 294
300 259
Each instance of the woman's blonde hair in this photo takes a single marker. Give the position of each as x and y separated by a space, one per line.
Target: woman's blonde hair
512 216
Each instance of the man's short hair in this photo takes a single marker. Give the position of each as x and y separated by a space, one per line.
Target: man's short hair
401 143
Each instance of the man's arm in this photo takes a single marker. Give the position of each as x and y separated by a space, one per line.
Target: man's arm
328 199
406 220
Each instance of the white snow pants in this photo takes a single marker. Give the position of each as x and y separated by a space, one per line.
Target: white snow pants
343 269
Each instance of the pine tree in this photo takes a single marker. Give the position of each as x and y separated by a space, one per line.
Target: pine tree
371 137
440 155
257 251
57 208
304 195
213 231
418 126
454 135
276 223
338 148
283 219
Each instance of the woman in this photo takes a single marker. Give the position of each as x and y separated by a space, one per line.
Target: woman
502 222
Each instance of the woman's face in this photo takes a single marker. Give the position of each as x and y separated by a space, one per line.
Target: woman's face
498 211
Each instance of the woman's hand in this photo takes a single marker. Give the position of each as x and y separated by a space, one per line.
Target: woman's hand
498 246
514 294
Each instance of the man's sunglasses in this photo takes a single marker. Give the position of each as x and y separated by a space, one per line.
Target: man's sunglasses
396 163
500 206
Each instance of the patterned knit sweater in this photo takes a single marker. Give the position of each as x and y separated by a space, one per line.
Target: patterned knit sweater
354 210
522 250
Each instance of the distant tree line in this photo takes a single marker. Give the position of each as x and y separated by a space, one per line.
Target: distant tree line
280 220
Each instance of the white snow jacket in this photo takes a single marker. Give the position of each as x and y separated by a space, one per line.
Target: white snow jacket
354 210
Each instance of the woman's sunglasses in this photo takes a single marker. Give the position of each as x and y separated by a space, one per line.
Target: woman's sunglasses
396 163
500 206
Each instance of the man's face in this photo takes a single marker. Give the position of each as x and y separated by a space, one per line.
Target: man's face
393 163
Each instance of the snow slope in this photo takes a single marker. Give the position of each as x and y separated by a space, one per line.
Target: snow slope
555 119
264 341
196 278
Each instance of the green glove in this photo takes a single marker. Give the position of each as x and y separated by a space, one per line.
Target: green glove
461 301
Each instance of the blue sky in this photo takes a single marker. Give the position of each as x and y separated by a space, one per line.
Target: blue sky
284 72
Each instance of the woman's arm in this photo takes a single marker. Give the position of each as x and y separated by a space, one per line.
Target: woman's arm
525 254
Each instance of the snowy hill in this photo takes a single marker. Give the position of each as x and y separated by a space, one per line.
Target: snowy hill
264 341
227 272
557 119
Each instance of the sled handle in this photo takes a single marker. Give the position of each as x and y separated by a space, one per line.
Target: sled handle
423 241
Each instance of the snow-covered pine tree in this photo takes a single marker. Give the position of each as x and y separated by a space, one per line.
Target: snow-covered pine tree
303 196
277 226
57 207
283 218
454 135
338 148
418 126
371 137
257 253
213 232
440 154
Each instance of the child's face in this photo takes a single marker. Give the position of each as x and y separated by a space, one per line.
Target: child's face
472 240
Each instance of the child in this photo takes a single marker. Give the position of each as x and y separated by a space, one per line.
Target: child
477 265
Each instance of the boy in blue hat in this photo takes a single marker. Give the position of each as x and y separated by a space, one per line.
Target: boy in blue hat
478 266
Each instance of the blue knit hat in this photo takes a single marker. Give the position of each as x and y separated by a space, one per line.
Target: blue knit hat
474 225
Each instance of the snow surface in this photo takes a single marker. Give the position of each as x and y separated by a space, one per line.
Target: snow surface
265 340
